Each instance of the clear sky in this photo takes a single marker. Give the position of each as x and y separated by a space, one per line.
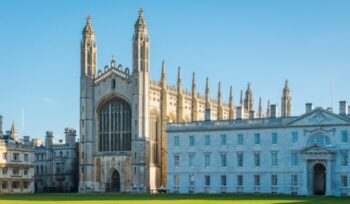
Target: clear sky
235 42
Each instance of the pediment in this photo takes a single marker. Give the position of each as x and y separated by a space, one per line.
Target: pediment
319 116
316 149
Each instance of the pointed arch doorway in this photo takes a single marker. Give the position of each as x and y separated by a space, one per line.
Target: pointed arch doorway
115 182
319 179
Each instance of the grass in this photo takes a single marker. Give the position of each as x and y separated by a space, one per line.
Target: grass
165 198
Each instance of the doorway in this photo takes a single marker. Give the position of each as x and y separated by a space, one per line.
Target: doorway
319 179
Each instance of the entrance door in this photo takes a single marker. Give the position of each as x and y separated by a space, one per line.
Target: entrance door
115 182
319 179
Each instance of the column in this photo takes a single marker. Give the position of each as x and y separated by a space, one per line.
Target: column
305 175
329 178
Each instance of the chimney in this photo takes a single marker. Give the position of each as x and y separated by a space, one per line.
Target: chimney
239 112
308 107
251 114
208 114
342 108
273 111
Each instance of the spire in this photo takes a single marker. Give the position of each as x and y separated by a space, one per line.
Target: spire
231 106
163 76
248 101
207 94
179 80
220 109
194 109
241 99
194 85
286 101
88 30
88 50
13 131
141 25
141 45
260 108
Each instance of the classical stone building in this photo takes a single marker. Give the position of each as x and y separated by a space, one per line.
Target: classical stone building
16 162
56 163
123 116
306 154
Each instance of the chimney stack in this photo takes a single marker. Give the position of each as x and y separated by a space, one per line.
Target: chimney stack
239 112
273 111
342 108
308 107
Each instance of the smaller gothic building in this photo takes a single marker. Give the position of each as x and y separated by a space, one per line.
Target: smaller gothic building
56 164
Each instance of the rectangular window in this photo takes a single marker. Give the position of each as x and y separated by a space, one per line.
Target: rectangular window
191 140
207 160
4 171
176 141
294 137
344 181
15 184
207 180
274 138
176 180
274 159
344 136
257 159
257 138
274 180
240 180
223 140
294 180
4 185
15 171
25 171
16 156
344 158
240 159
191 179
4 155
26 157
295 159
58 168
223 160
207 140
256 180
191 159
223 180
25 184
177 160
240 139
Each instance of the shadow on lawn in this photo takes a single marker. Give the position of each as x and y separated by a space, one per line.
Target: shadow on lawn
173 197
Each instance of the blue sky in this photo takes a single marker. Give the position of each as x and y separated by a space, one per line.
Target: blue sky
235 42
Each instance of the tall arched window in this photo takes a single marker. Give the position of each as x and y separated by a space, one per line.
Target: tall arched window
115 126
155 132
319 139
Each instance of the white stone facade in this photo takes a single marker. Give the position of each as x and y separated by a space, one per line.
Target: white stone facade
303 155
16 163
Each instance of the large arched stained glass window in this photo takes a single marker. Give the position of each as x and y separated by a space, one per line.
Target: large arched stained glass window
115 126
319 139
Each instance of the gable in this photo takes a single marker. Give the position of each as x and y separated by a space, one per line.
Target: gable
318 117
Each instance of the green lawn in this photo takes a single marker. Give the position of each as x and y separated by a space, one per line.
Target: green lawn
165 198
